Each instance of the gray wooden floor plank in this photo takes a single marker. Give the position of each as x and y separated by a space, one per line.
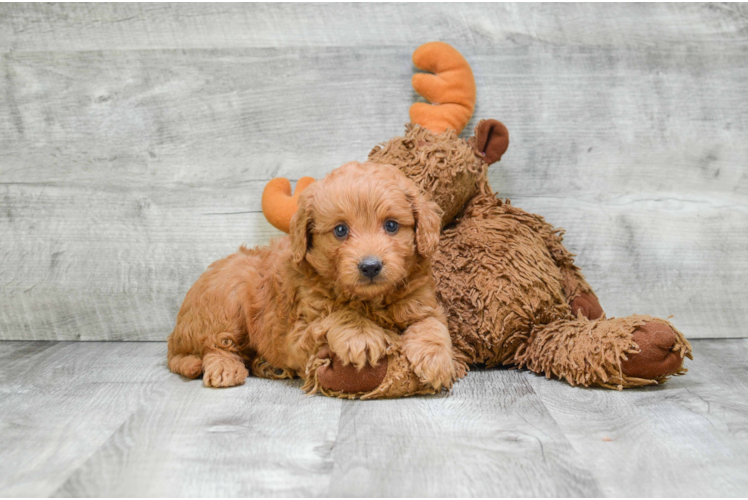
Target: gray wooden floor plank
108 419
688 437
61 401
491 436
265 438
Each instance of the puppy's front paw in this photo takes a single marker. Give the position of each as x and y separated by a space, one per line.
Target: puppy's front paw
434 367
223 371
357 346
429 349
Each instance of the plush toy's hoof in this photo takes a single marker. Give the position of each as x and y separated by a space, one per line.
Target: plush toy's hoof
588 305
346 378
657 356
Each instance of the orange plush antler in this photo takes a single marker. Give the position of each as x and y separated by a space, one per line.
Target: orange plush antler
451 90
277 203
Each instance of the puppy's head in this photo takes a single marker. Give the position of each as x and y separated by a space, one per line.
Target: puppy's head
364 227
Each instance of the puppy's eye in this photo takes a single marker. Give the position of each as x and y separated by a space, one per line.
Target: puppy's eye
341 231
391 226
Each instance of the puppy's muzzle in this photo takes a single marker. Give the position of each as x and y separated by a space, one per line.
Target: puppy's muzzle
370 267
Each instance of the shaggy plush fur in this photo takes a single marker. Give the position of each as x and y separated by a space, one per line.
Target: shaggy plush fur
512 293
274 308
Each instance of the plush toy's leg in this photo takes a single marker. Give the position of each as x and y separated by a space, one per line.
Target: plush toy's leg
615 353
392 377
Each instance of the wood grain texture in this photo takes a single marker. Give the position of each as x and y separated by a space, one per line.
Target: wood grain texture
264 439
62 401
89 265
143 26
658 441
135 141
108 419
491 437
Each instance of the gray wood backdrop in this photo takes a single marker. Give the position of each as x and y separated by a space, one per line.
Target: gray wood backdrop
135 141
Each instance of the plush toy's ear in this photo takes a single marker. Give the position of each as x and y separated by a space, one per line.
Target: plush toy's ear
277 203
300 227
451 89
491 140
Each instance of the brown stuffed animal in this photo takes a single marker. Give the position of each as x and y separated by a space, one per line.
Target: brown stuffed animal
511 290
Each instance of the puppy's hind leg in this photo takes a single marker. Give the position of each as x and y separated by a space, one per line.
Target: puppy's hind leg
205 346
210 336
219 360
188 365
183 355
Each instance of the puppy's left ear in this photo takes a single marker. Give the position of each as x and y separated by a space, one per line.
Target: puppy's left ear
428 216
300 228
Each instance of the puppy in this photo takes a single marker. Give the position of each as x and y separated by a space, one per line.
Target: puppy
354 274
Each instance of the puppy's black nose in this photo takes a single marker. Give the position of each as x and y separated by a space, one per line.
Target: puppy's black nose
370 267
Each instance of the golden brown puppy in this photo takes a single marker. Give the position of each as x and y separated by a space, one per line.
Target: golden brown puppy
354 274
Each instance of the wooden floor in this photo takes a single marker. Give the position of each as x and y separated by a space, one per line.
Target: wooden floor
108 419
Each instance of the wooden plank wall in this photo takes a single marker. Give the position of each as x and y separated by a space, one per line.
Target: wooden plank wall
135 140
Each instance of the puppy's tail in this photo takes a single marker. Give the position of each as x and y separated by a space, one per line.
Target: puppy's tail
189 365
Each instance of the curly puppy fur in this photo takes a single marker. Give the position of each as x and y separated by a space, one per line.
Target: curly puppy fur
282 303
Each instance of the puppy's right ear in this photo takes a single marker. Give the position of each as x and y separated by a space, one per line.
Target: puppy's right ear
300 229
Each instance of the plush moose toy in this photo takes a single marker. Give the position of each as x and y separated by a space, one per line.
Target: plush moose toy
511 291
